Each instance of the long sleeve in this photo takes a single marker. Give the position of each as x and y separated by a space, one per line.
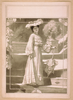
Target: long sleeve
29 47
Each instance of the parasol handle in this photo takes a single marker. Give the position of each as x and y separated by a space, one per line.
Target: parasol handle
53 52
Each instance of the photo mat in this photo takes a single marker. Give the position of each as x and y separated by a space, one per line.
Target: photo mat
17 37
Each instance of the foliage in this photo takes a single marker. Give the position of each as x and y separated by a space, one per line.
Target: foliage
9 35
55 28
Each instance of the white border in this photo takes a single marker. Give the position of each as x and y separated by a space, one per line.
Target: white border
29 95
26 10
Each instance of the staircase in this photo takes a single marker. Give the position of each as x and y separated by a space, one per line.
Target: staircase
55 83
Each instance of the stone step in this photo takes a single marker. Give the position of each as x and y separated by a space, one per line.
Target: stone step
59 73
15 88
19 79
59 81
12 88
13 72
14 79
20 72
53 89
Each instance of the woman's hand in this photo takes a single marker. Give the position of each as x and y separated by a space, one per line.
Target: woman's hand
31 56
53 47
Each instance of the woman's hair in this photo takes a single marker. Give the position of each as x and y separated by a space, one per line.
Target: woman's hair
33 27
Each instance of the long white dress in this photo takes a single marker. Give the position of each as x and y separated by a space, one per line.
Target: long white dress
34 70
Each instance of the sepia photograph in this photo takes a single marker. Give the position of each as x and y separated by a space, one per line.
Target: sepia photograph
36 49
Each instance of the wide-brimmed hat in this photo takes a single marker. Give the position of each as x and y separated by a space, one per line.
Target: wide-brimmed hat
34 23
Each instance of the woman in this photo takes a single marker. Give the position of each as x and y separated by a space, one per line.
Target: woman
34 71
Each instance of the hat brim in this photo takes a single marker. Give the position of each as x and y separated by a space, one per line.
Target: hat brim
34 23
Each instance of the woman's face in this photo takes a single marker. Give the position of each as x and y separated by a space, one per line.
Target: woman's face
36 29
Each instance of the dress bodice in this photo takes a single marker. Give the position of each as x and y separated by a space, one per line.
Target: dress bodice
34 40
37 40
